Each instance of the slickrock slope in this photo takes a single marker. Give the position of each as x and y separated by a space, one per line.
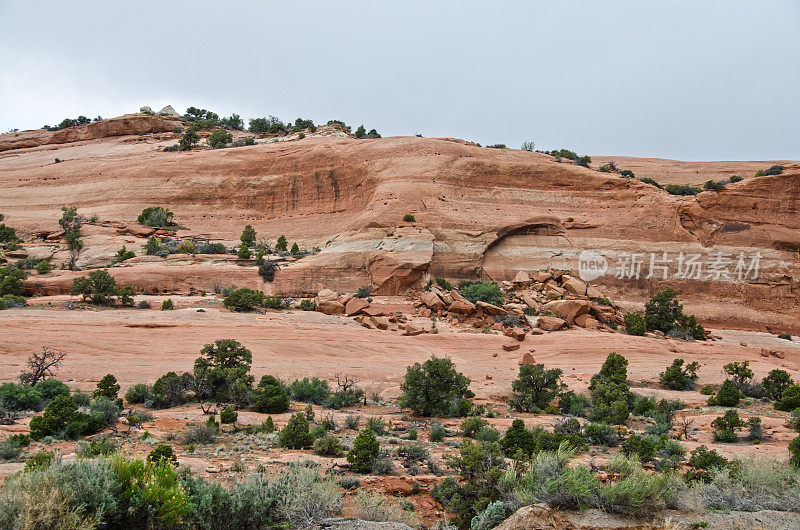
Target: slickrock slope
479 213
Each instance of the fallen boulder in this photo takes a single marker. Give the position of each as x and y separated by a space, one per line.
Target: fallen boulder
569 309
490 309
463 307
355 306
551 323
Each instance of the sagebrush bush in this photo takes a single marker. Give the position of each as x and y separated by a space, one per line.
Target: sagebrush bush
139 393
484 291
310 390
376 506
328 445
200 434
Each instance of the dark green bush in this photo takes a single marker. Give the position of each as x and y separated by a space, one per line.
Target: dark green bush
270 396
248 236
431 388
790 398
646 180
640 446
682 189
43 267
11 281
364 452
162 453
11 301
296 434
635 324
409 218
139 393
167 305
484 291
344 398
99 287
107 387
156 216
122 255
307 304
470 426
267 270
714 185
676 377
728 395
14 398
702 461
50 388
219 139
62 419
228 415
437 432
775 383
244 299
536 388
601 434
313 390
773 170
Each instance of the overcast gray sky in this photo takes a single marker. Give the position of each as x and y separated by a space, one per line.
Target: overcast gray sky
693 80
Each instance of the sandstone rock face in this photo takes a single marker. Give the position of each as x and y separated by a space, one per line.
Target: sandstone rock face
124 125
144 109
569 309
511 346
551 323
327 302
348 197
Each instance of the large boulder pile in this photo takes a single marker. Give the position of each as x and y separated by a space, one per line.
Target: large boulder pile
543 301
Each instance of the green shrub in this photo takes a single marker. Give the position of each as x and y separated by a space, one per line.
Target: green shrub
409 218
14 398
156 216
107 387
535 387
775 383
307 304
755 430
728 395
702 461
785 336
10 301
313 390
219 139
122 255
98 287
430 388
790 398
50 388
43 267
200 434
11 281
676 377
344 398
682 189
296 434
635 324
228 415
167 305
573 404
61 418
484 291
248 236
244 299
601 434
725 427
267 270
270 396
646 180
773 170
104 411
611 398
794 452
640 446
273 302
714 185
470 426
244 252
281 245
139 393
328 445
437 432
364 452
162 453
377 425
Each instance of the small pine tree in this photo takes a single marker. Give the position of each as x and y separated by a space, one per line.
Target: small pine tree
728 395
248 236
364 452
296 434
295 249
281 244
163 453
107 387
244 252
167 305
228 415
